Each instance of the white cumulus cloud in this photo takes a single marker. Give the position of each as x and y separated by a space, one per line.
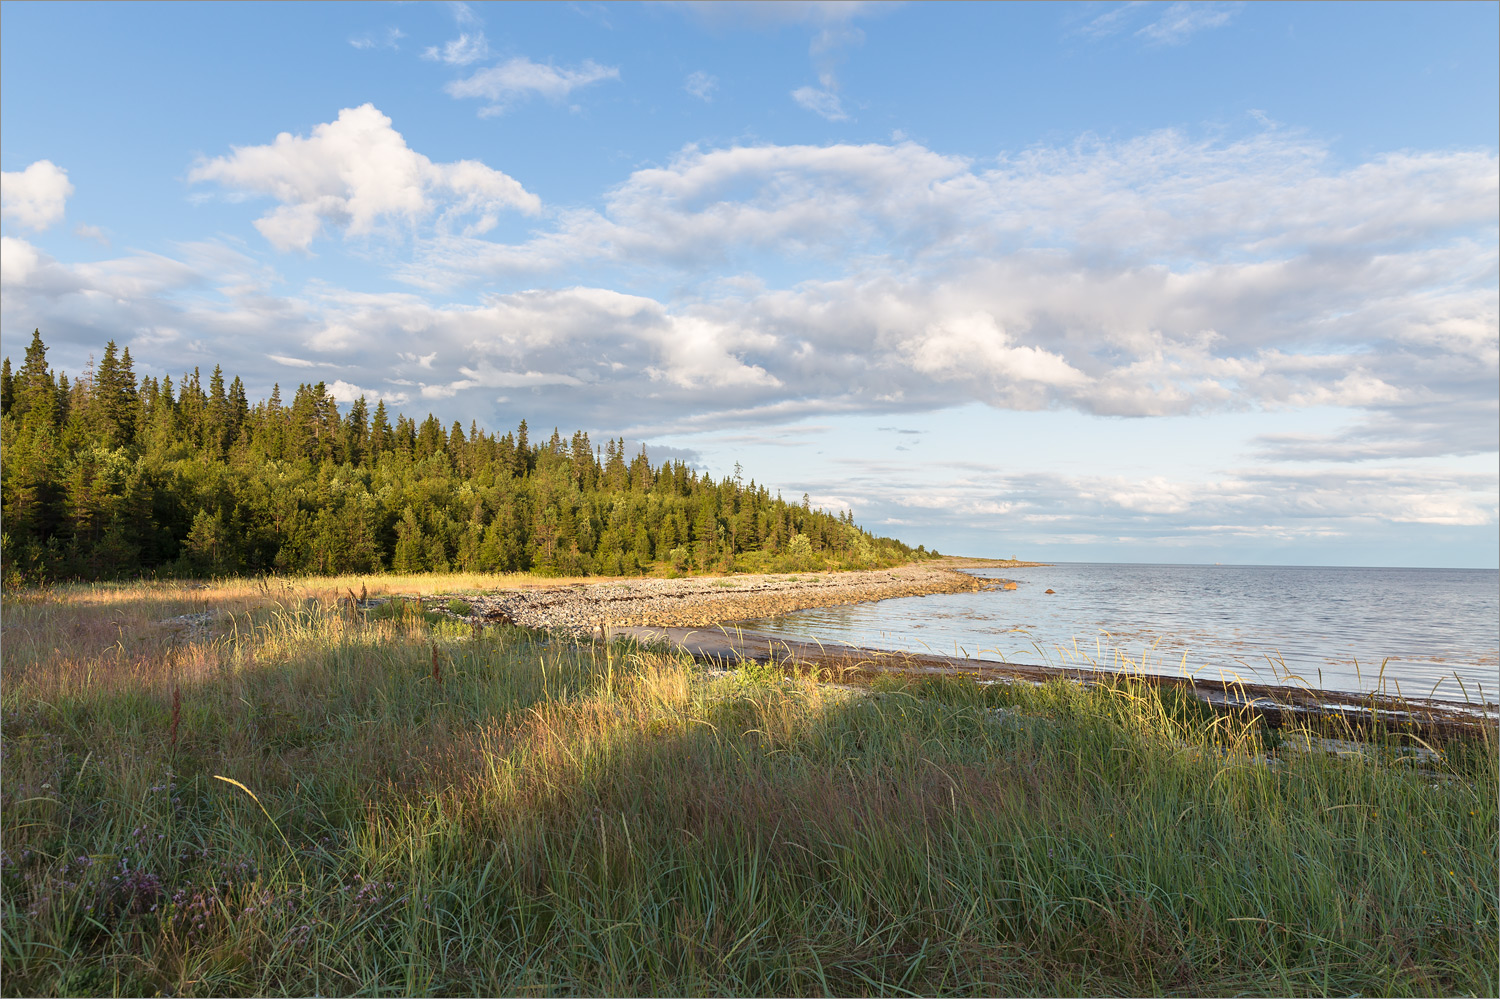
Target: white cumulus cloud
35 197
19 262
356 173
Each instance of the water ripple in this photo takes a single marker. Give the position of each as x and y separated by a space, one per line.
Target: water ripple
1435 631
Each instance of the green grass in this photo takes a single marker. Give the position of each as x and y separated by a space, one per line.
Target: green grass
407 611
427 810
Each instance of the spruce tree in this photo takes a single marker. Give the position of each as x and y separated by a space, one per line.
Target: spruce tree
111 404
36 390
191 405
302 424
505 456
430 439
239 410
583 460
381 438
356 433
216 427
458 450
65 396
406 435
130 395
330 424
163 416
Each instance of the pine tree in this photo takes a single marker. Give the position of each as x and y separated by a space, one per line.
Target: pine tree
65 395
303 422
111 405
130 411
583 460
640 470
238 412
36 390
7 388
356 441
615 474
270 429
381 438
406 436
191 406
430 439
505 456
330 425
524 458
163 431
411 551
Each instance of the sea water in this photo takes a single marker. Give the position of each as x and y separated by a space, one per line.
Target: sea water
1416 632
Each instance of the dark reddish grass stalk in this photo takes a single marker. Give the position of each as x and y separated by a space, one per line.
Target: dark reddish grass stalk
176 715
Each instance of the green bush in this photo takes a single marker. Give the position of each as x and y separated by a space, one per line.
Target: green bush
404 609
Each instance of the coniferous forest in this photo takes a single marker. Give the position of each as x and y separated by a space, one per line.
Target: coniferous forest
108 477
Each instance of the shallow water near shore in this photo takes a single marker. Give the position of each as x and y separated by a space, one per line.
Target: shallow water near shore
1437 631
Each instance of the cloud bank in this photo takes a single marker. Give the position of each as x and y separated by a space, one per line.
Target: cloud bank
1155 276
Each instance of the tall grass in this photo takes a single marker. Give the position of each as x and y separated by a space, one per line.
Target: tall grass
400 807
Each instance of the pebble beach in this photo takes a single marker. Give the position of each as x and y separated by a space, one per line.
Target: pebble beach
702 601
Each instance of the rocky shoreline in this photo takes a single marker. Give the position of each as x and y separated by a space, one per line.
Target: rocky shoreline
703 601
669 610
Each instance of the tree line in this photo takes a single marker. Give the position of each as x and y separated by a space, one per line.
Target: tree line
105 477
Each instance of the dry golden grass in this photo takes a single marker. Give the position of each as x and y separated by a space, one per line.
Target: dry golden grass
80 623
228 593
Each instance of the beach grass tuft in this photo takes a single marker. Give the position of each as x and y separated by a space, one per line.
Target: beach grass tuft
284 798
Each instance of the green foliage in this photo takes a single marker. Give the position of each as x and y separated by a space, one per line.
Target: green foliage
208 549
799 552
760 674
104 477
405 611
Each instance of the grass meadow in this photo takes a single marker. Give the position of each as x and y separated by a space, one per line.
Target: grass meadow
295 799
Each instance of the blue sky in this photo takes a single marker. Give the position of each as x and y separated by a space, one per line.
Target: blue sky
1120 282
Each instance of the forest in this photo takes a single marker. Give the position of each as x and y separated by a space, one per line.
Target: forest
108 477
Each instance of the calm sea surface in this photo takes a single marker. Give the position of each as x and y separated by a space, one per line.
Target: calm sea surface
1436 630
